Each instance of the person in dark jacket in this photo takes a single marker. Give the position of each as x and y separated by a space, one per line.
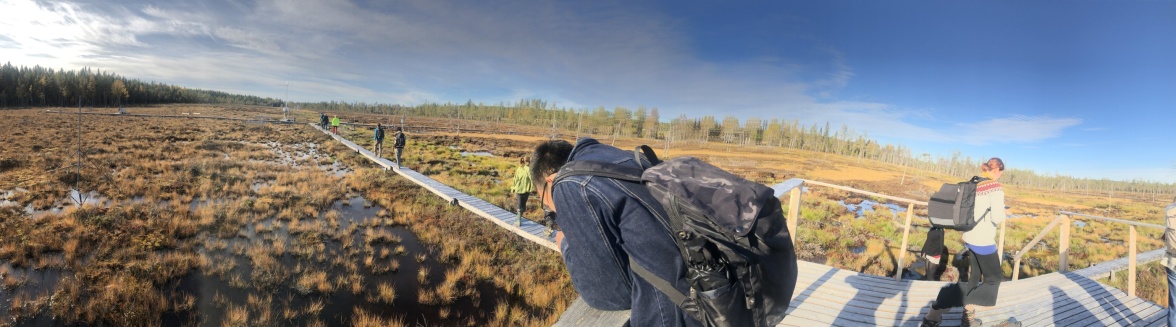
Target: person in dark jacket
378 139
398 145
933 251
603 225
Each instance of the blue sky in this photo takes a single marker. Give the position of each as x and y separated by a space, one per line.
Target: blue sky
1084 88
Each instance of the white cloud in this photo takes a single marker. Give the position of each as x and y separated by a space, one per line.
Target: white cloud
1014 129
575 54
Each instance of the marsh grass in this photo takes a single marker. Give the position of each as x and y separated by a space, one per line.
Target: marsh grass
214 168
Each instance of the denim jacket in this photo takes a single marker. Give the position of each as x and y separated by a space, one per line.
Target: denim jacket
607 221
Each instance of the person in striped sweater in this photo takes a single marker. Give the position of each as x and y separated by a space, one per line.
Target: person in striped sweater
985 274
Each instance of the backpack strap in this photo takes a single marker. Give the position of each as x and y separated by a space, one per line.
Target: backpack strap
596 168
649 155
660 284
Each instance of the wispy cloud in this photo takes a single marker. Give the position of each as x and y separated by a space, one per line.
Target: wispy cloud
1015 129
577 54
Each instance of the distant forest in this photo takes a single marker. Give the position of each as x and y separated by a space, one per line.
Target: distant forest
40 87
43 87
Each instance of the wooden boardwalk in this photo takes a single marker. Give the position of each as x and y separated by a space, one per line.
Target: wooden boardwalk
827 296
530 230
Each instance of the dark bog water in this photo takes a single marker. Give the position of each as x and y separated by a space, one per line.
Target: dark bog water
868 206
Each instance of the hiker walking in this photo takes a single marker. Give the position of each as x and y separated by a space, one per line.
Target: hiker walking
398 145
335 125
984 262
617 244
1170 258
323 120
522 187
378 137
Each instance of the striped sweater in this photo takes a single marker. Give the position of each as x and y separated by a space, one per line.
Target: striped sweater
989 205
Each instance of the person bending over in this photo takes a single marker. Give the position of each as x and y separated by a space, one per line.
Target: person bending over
604 223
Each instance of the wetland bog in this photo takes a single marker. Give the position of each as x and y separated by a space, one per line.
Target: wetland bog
217 222
211 222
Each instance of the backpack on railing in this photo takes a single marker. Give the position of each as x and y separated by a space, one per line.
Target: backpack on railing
731 232
953 206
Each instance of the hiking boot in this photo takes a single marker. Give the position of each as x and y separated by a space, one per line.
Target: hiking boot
928 323
548 231
970 319
1008 323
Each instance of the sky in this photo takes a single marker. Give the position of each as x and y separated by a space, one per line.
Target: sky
1079 88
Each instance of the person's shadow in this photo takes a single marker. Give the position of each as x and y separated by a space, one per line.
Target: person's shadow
871 292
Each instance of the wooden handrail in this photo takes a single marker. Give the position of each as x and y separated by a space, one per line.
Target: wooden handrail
1064 218
1115 220
793 186
1021 253
884 196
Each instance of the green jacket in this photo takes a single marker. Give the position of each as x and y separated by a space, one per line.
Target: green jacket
335 121
522 181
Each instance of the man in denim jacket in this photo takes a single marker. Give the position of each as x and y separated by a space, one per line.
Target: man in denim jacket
604 222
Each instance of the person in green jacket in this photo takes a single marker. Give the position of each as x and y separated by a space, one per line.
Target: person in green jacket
522 187
335 125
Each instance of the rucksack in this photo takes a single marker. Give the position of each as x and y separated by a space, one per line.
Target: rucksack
953 206
731 233
399 140
380 134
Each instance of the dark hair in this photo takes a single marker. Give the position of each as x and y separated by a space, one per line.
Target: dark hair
548 158
994 163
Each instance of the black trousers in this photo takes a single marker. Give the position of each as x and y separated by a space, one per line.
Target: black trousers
521 205
984 279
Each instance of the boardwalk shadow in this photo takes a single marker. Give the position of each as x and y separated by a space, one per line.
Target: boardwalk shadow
1068 310
871 292
808 292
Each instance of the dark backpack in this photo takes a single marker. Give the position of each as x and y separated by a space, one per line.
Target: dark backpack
399 140
731 232
953 206
380 134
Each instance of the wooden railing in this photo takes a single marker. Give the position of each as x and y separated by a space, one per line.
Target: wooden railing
794 188
1064 220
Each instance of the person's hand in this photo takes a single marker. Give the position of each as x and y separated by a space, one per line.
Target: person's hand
559 239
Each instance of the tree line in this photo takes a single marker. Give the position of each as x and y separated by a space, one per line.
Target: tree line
44 87
646 123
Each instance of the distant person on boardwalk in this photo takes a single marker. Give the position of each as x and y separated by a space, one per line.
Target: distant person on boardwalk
1170 258
323 120
607 226
335 125
398 145
985 274
378 138
522 187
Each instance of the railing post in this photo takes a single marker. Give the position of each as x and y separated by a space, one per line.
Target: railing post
1000 245
906 233
794 212
1064 245
1131 264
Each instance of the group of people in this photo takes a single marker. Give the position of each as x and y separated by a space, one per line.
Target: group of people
398 142
608 229
333 122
